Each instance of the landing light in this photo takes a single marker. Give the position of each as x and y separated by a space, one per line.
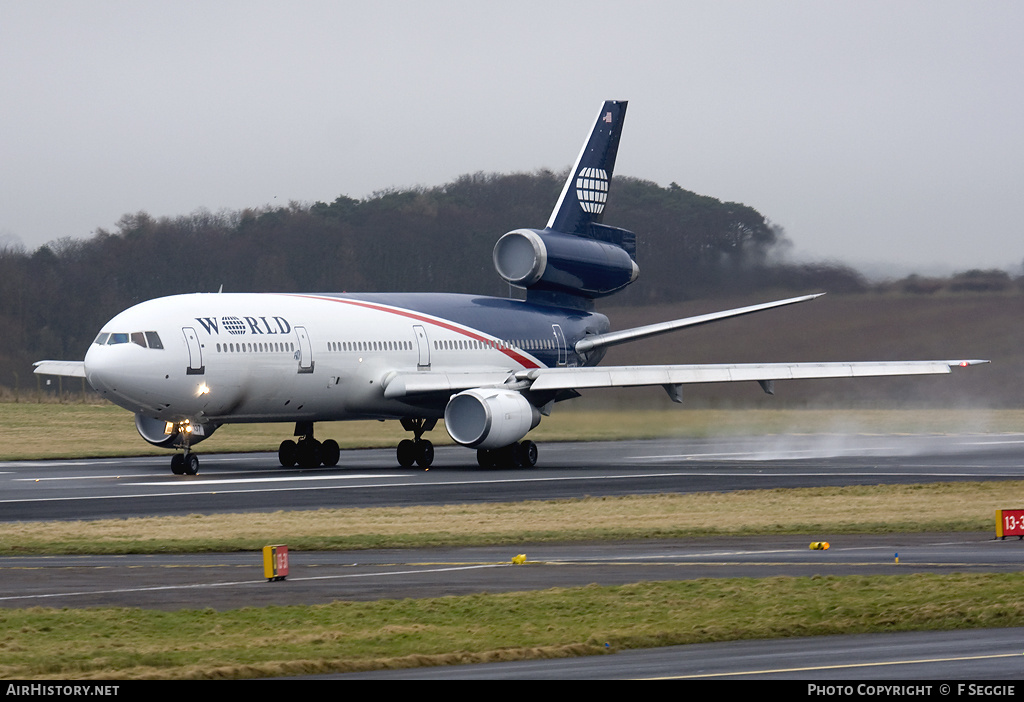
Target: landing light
204 389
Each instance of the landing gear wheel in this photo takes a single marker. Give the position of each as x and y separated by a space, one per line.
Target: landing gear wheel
485 458
308 453
330 453
406 453
528 454
424 453
288 453
508 456
191 464
418 450
178 464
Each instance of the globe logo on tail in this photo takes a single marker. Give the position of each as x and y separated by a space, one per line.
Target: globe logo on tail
592 189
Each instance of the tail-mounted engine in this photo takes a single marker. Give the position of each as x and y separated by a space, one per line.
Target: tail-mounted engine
583 266
487 418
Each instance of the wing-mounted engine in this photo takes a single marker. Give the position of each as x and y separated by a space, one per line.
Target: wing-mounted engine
549 261
171 434
489 418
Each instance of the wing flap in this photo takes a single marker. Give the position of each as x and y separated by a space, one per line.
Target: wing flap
68 369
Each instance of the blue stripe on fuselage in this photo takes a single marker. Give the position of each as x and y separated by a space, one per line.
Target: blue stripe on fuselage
496 317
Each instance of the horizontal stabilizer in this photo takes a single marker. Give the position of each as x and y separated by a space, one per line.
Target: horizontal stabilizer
68 369
627 335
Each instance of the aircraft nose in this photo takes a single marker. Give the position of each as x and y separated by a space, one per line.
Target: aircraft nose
98 368
120 374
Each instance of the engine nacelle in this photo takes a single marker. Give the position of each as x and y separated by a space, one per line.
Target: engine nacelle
489 418
550 260
155 431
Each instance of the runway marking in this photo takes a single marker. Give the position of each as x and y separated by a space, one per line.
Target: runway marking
44 464
199 483
236 583
769 671
82 477
304 478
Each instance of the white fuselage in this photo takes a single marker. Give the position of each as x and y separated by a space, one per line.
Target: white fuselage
296 357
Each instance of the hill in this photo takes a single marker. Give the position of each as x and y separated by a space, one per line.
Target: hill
690 247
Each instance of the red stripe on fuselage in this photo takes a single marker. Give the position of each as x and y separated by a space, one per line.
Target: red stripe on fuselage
511 353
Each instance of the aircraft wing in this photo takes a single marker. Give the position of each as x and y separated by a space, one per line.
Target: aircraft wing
399 385
68 369
632 376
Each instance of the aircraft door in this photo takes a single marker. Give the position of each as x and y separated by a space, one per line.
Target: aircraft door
422 346
195 352
305 353
559 343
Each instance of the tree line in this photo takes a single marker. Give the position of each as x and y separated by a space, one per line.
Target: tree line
54 299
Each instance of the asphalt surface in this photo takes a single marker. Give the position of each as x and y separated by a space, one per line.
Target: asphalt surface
130 487
227 581
986 664
253 482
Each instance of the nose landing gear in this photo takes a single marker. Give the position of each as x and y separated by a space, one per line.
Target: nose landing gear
186 463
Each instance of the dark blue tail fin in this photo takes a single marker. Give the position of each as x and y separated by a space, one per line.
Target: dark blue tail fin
586 190
575 258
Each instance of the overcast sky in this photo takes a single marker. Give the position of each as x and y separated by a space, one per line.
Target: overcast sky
871 131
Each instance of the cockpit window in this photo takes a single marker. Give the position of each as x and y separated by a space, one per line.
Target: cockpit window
148 339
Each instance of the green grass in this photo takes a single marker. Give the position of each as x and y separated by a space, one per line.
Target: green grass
350 636
827 511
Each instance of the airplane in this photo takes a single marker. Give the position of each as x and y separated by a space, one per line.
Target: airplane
490 367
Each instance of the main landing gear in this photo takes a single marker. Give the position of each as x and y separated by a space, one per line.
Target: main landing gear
521 455
419 450
307 452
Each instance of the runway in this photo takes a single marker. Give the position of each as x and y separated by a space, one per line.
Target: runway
227 581
120 488
987 662
130 487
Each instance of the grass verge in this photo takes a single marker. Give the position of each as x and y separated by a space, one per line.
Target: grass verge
967 506
351 636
